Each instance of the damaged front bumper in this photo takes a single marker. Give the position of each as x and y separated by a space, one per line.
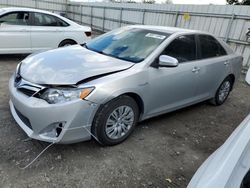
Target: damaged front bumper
65 123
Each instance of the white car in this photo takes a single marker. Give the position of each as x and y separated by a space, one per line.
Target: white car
248 76
25 30
229 166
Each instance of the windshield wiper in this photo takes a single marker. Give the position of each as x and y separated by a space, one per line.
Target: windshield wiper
85 45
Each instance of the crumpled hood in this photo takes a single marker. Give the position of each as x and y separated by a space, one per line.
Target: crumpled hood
68 65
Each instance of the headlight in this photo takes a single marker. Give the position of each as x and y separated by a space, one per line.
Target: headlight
54 96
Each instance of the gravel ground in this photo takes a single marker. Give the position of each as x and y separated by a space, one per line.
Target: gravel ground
168 147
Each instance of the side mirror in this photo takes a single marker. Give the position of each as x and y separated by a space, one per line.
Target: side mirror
167 61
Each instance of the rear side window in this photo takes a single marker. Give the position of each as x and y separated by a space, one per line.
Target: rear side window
182 48
48 20
15 18
210 47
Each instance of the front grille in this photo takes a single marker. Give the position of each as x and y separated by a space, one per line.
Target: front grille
27 88
26 91
17 80
24 119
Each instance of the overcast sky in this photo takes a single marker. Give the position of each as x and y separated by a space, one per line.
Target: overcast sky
221 2
216 2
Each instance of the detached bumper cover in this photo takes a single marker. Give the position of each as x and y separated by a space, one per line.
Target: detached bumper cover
35 116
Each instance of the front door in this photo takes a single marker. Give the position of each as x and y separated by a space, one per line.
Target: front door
174 87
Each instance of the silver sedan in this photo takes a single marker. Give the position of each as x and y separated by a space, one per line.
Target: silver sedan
105 87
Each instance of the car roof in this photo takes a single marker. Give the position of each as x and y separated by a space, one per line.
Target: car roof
13 9
24 9
169 30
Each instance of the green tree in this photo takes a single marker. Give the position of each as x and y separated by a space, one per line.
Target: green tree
148 1
237 2
168 2
246 2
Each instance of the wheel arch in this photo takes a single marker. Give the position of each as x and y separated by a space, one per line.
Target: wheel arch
138 100
232 76
67 39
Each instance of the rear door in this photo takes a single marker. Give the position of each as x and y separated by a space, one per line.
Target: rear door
47 31
212 67
15 33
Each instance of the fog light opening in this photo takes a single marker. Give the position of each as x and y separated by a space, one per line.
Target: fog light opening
53 131
58 131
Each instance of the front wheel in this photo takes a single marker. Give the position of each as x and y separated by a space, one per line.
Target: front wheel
222 92
116 120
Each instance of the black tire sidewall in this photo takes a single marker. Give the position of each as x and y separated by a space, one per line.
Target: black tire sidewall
218 102
65 42
99 123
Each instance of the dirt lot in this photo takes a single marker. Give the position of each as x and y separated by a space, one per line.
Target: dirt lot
171 146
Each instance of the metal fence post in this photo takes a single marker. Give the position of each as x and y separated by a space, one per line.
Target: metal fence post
176 18
81 13
36 4
121 17
229 26
103 20
67 9
74 15
143 17
91 17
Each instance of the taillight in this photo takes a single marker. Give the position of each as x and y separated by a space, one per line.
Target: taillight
88 33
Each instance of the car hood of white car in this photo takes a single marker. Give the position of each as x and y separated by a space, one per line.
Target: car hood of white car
248 76
68 65
227 166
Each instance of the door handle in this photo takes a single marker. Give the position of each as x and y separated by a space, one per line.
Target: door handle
196 69
226 62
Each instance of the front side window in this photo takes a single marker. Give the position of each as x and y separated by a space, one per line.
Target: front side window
130 44
210 47
47 20
182 48
15 18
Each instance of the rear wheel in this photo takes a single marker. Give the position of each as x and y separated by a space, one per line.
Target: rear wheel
116 120
66 43
222 92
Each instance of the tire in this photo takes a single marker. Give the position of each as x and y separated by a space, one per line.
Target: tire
102 128
226 87
66 43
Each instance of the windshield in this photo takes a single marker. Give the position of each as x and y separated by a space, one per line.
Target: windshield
130 44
